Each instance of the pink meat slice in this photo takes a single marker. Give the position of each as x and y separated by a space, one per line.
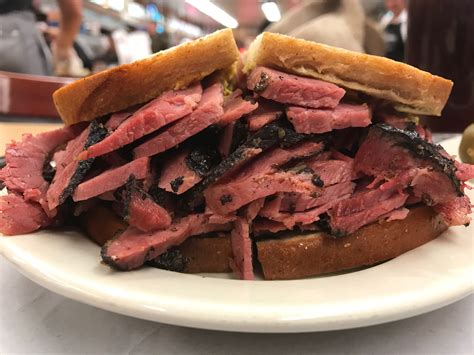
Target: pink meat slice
305 210
455 212
261 178
165 109
111 179
399 122
235 107
272 206
384 156
218 218
276 157
313 215
320 121
176 176
208 112
241 243
267 111
339 156
402 122
307 217
396 215
133 248
294 202
291 89
145 214
371 158
18 216
66 166
226 198
116 120
252 210
363 208
430 186
257 121
263 225
23 171
331 172
464 172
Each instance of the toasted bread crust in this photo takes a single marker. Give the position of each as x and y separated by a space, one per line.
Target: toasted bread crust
314 254
408 88
207 254
138 82
102 224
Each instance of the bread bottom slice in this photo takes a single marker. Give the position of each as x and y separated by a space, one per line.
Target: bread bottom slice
101 224
207 254
296 256
314 254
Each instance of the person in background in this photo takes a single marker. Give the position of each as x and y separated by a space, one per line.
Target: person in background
23 48
159 40
339 23
394 25
65 59
131 44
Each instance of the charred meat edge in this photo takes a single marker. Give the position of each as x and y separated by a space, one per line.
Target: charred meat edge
96 134
172 260
324 224
262 83
176 183
239 135
419 148
275 133
124 195
202 159
2 165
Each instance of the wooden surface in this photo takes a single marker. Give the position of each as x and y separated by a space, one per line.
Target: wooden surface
14 130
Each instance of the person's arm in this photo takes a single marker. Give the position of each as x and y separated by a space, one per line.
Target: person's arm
71 18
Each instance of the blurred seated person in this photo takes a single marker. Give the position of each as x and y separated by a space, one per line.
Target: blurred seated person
23 48
339 23
131 44
394 25
159 37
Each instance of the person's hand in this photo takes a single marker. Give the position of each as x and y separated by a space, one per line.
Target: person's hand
66 62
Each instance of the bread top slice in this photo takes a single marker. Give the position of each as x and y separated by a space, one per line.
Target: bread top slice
409 89
138 82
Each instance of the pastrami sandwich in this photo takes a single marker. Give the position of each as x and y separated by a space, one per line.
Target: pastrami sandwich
308 161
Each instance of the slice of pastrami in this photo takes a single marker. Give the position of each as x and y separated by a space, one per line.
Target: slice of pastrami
70 171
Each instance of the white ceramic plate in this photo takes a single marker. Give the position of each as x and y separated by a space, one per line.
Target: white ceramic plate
424 279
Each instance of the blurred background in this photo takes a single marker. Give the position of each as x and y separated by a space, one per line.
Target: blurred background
47 43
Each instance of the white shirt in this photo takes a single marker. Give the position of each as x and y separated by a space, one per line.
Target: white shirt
401 20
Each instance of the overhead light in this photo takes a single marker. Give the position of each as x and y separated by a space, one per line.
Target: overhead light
136 10
176 25
117 5
271 11
215 12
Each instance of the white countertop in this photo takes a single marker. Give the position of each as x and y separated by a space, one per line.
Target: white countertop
35 320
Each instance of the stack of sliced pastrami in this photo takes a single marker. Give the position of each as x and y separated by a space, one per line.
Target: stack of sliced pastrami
285 153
